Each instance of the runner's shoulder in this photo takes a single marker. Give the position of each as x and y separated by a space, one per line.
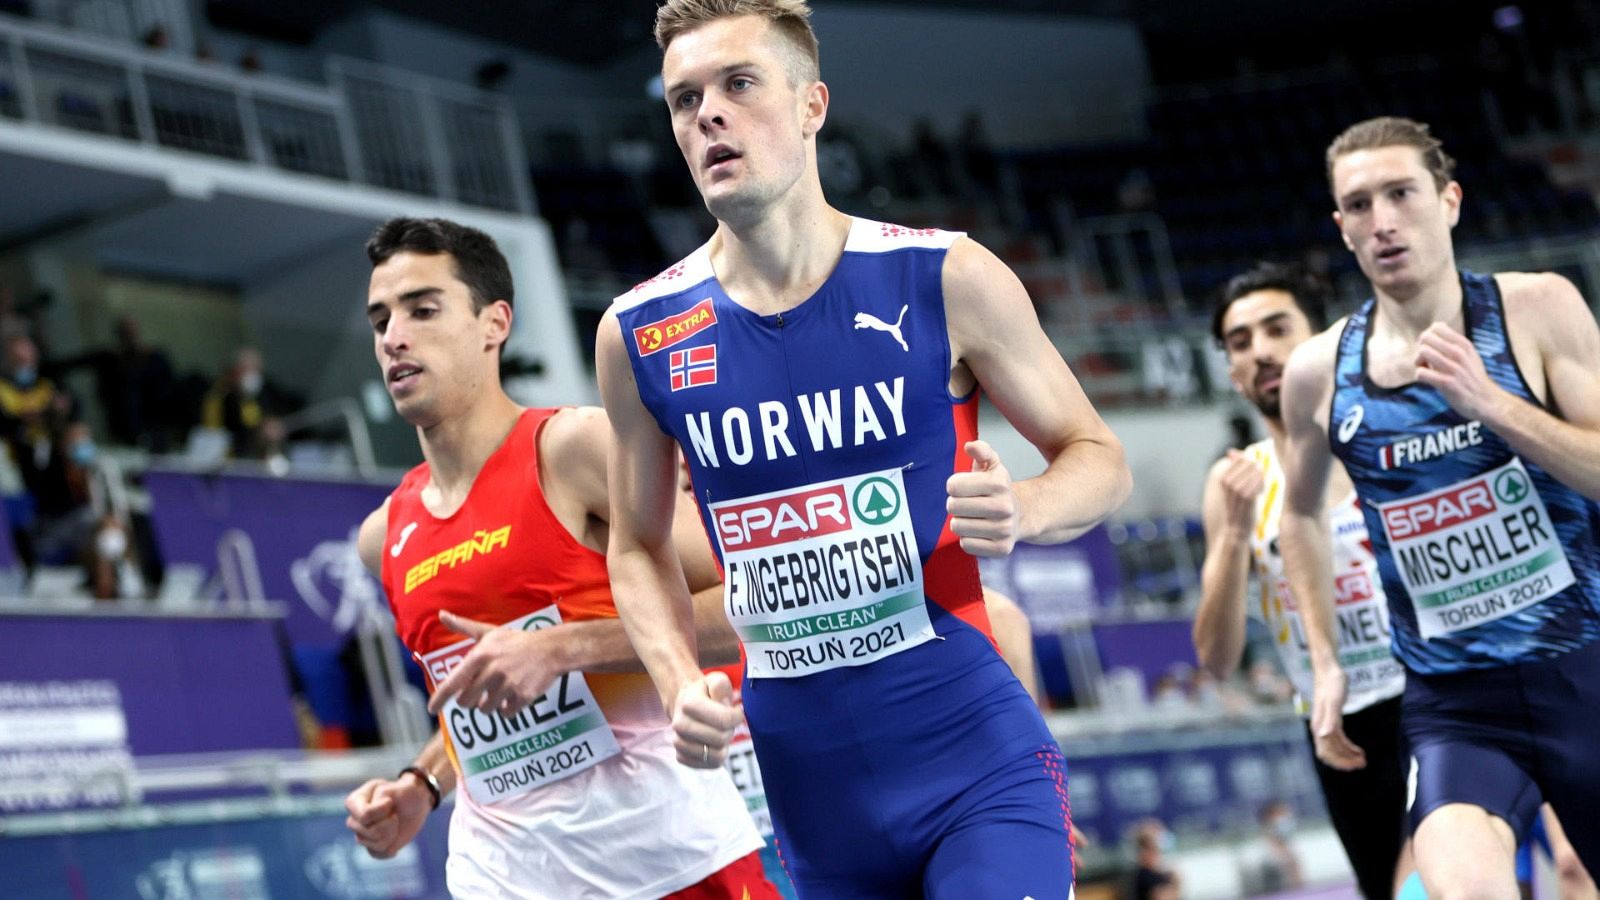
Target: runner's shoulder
369 537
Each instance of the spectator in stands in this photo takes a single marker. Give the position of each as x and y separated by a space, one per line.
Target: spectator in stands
1168 692
978 162
1154 878
136 388
60 487
246 405
581 252
32 408
932 160
1136 192
1267 684
156 38
11 320
1280 870
111 564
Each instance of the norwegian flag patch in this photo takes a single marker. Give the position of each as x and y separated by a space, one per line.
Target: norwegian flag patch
693 367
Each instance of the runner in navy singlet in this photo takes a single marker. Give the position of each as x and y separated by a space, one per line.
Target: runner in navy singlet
821 374
1466 409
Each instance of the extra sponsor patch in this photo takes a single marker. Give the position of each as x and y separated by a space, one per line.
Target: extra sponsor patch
664 333
693 367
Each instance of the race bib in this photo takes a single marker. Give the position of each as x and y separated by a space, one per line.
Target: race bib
822 576
558 735
1475 551
746 773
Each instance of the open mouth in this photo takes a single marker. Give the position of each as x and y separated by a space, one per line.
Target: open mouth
719 155
403 374
1269 380
1390 254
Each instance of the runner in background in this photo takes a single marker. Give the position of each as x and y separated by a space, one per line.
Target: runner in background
1261 316
491 555
1466 409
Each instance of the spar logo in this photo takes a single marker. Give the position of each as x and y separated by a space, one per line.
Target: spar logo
1510 486
660 335
1419 518
782 518
1352 587
877 501
441 664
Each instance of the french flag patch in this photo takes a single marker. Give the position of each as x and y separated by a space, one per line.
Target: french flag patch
693 367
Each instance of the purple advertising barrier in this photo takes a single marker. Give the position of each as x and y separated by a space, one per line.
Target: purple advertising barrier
301 533
298 535
1152 647
1193 779
191 683
83 693
1058 585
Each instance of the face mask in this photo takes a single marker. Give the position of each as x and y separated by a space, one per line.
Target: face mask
83 452
25 376
1168 842
111 543
1283 827
250 383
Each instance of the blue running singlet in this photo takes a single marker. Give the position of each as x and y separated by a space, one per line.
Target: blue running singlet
899 754
1487 560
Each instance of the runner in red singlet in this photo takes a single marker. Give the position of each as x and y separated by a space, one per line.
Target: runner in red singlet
491 553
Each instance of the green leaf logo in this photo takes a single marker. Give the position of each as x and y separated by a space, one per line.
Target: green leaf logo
1511 487
877 501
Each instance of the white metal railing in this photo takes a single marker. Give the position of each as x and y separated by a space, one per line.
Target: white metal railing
367 127
344 411
428 136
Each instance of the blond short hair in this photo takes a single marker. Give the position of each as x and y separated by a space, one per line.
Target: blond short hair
791 18
1394 131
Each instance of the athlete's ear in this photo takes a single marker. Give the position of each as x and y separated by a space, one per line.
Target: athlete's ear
1452 202
815 111
1338 221
496 318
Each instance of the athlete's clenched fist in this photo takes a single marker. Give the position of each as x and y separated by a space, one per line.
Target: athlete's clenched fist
982 504
703 720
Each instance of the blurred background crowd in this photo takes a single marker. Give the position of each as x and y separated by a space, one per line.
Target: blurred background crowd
191 420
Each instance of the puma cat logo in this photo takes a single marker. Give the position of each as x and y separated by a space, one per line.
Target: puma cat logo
868 320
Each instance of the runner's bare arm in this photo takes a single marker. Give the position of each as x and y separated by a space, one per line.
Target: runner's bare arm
1306 543
1013 634
995 334
647 578
1227 510
1565 439
369 539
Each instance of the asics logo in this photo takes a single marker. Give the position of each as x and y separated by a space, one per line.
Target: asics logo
1352 421
868 320
405 535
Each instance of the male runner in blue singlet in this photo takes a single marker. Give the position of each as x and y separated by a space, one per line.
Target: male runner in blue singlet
821 375
1466 409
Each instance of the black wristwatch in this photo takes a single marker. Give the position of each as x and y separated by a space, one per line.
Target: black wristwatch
428 781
